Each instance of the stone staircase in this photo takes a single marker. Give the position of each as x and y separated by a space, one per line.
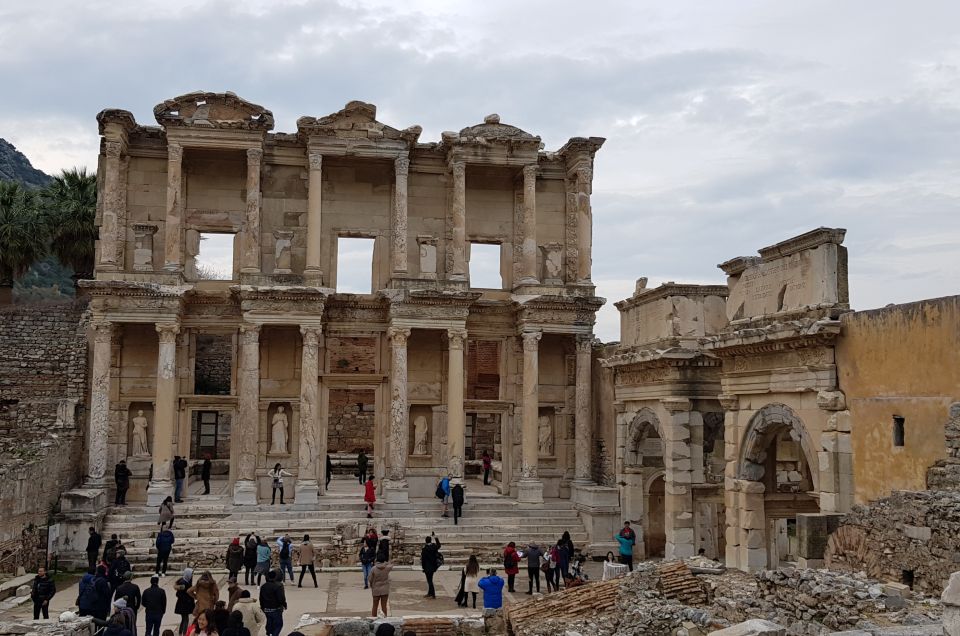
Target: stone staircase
204 528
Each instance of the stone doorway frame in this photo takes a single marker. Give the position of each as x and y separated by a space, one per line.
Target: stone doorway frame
381 403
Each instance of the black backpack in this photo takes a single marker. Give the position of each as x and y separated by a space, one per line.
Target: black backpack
440 493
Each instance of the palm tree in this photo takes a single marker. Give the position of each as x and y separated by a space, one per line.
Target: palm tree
23 235
69 207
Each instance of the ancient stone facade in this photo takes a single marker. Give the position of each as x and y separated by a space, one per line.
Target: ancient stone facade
411 372
43 385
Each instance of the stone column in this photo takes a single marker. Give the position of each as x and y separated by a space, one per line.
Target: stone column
530 487
165 414
459 245
528 272
678 499
584 224
308 486
173 222
731 496
401 166
396 490
248 415
251 250
314 208
582 418
99 405
113 197
456 420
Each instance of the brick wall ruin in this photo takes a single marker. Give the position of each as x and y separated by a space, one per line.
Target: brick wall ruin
352 421
214 364
945 474
43 388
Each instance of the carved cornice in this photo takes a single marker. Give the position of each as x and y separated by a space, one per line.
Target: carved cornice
250 292
356 117
675 405
560 310
676 356
123 118
667 290
213 110
103 288
729 401
773 338
806 241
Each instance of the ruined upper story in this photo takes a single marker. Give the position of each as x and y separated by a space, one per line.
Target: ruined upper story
213 166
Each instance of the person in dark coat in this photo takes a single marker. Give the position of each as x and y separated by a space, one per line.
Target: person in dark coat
118 567
130 591
164 545
362 463
456 494
41 591
235 626
430 562
121 477
533 555
329 470
86 594
117 627
110 548
185 603
249 559
102 594
205 473
273 601
234 558
383 546
154 606
221 616
94 541
179 475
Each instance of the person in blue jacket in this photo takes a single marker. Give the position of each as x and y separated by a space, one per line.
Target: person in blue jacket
492 586
626 549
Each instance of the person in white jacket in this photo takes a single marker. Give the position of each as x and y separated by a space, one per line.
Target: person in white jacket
277 475
253 617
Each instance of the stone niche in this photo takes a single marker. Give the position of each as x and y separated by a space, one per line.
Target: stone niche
428 256
421 434
279 438
547 433
805 272
551 264
139 465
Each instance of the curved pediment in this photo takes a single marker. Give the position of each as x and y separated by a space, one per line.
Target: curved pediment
492 129
213 110
356 120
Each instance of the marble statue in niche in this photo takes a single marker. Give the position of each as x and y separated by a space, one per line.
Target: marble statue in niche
278 436
420 436
545 436
138 446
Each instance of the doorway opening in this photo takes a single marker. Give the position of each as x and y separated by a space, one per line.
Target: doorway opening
656 531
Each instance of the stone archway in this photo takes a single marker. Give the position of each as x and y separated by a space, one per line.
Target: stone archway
776 470
644 425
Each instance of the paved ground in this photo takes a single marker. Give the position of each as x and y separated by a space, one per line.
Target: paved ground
338 594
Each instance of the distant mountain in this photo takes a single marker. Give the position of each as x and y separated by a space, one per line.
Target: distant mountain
14 166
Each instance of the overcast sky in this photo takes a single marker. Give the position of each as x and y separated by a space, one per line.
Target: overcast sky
730 125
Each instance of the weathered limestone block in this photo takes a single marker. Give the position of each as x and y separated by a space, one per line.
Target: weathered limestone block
831 400
951 606
753 627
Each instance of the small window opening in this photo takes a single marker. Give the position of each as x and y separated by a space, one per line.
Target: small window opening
354 265
485 266
898 431
906 577
214 259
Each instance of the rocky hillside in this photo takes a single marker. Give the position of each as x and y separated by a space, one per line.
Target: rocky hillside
14 166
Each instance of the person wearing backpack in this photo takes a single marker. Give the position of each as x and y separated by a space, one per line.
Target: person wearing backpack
286 558
87 594
511 564
443 493
430 561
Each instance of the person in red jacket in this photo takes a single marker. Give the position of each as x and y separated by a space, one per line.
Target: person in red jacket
511 563
370 496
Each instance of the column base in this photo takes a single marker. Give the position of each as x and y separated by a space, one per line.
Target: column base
90 498
306 491
530 491
245 492
396 492
158 490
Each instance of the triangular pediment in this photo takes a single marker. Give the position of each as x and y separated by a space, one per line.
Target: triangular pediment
356 120
213 110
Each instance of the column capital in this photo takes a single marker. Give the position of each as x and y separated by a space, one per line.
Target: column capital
401 165
315 160
584 175
168 331
459 169
398 336
249 333
174 152
530 171
311 334
729 401
254 155
102 331
456 338
676 405
113 149
531 339
584 342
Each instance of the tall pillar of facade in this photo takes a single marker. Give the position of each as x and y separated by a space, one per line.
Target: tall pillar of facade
456 419
314 216
528 275
678 499
173 222
113 197
251 250
731 495
459 245
308 485
99 405
530 488
584 224
248 415
165 415
396 490
583 415
401 167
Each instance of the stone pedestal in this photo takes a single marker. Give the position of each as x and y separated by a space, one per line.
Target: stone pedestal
306 491
530 491
599 508
80 508
245 493
396 492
